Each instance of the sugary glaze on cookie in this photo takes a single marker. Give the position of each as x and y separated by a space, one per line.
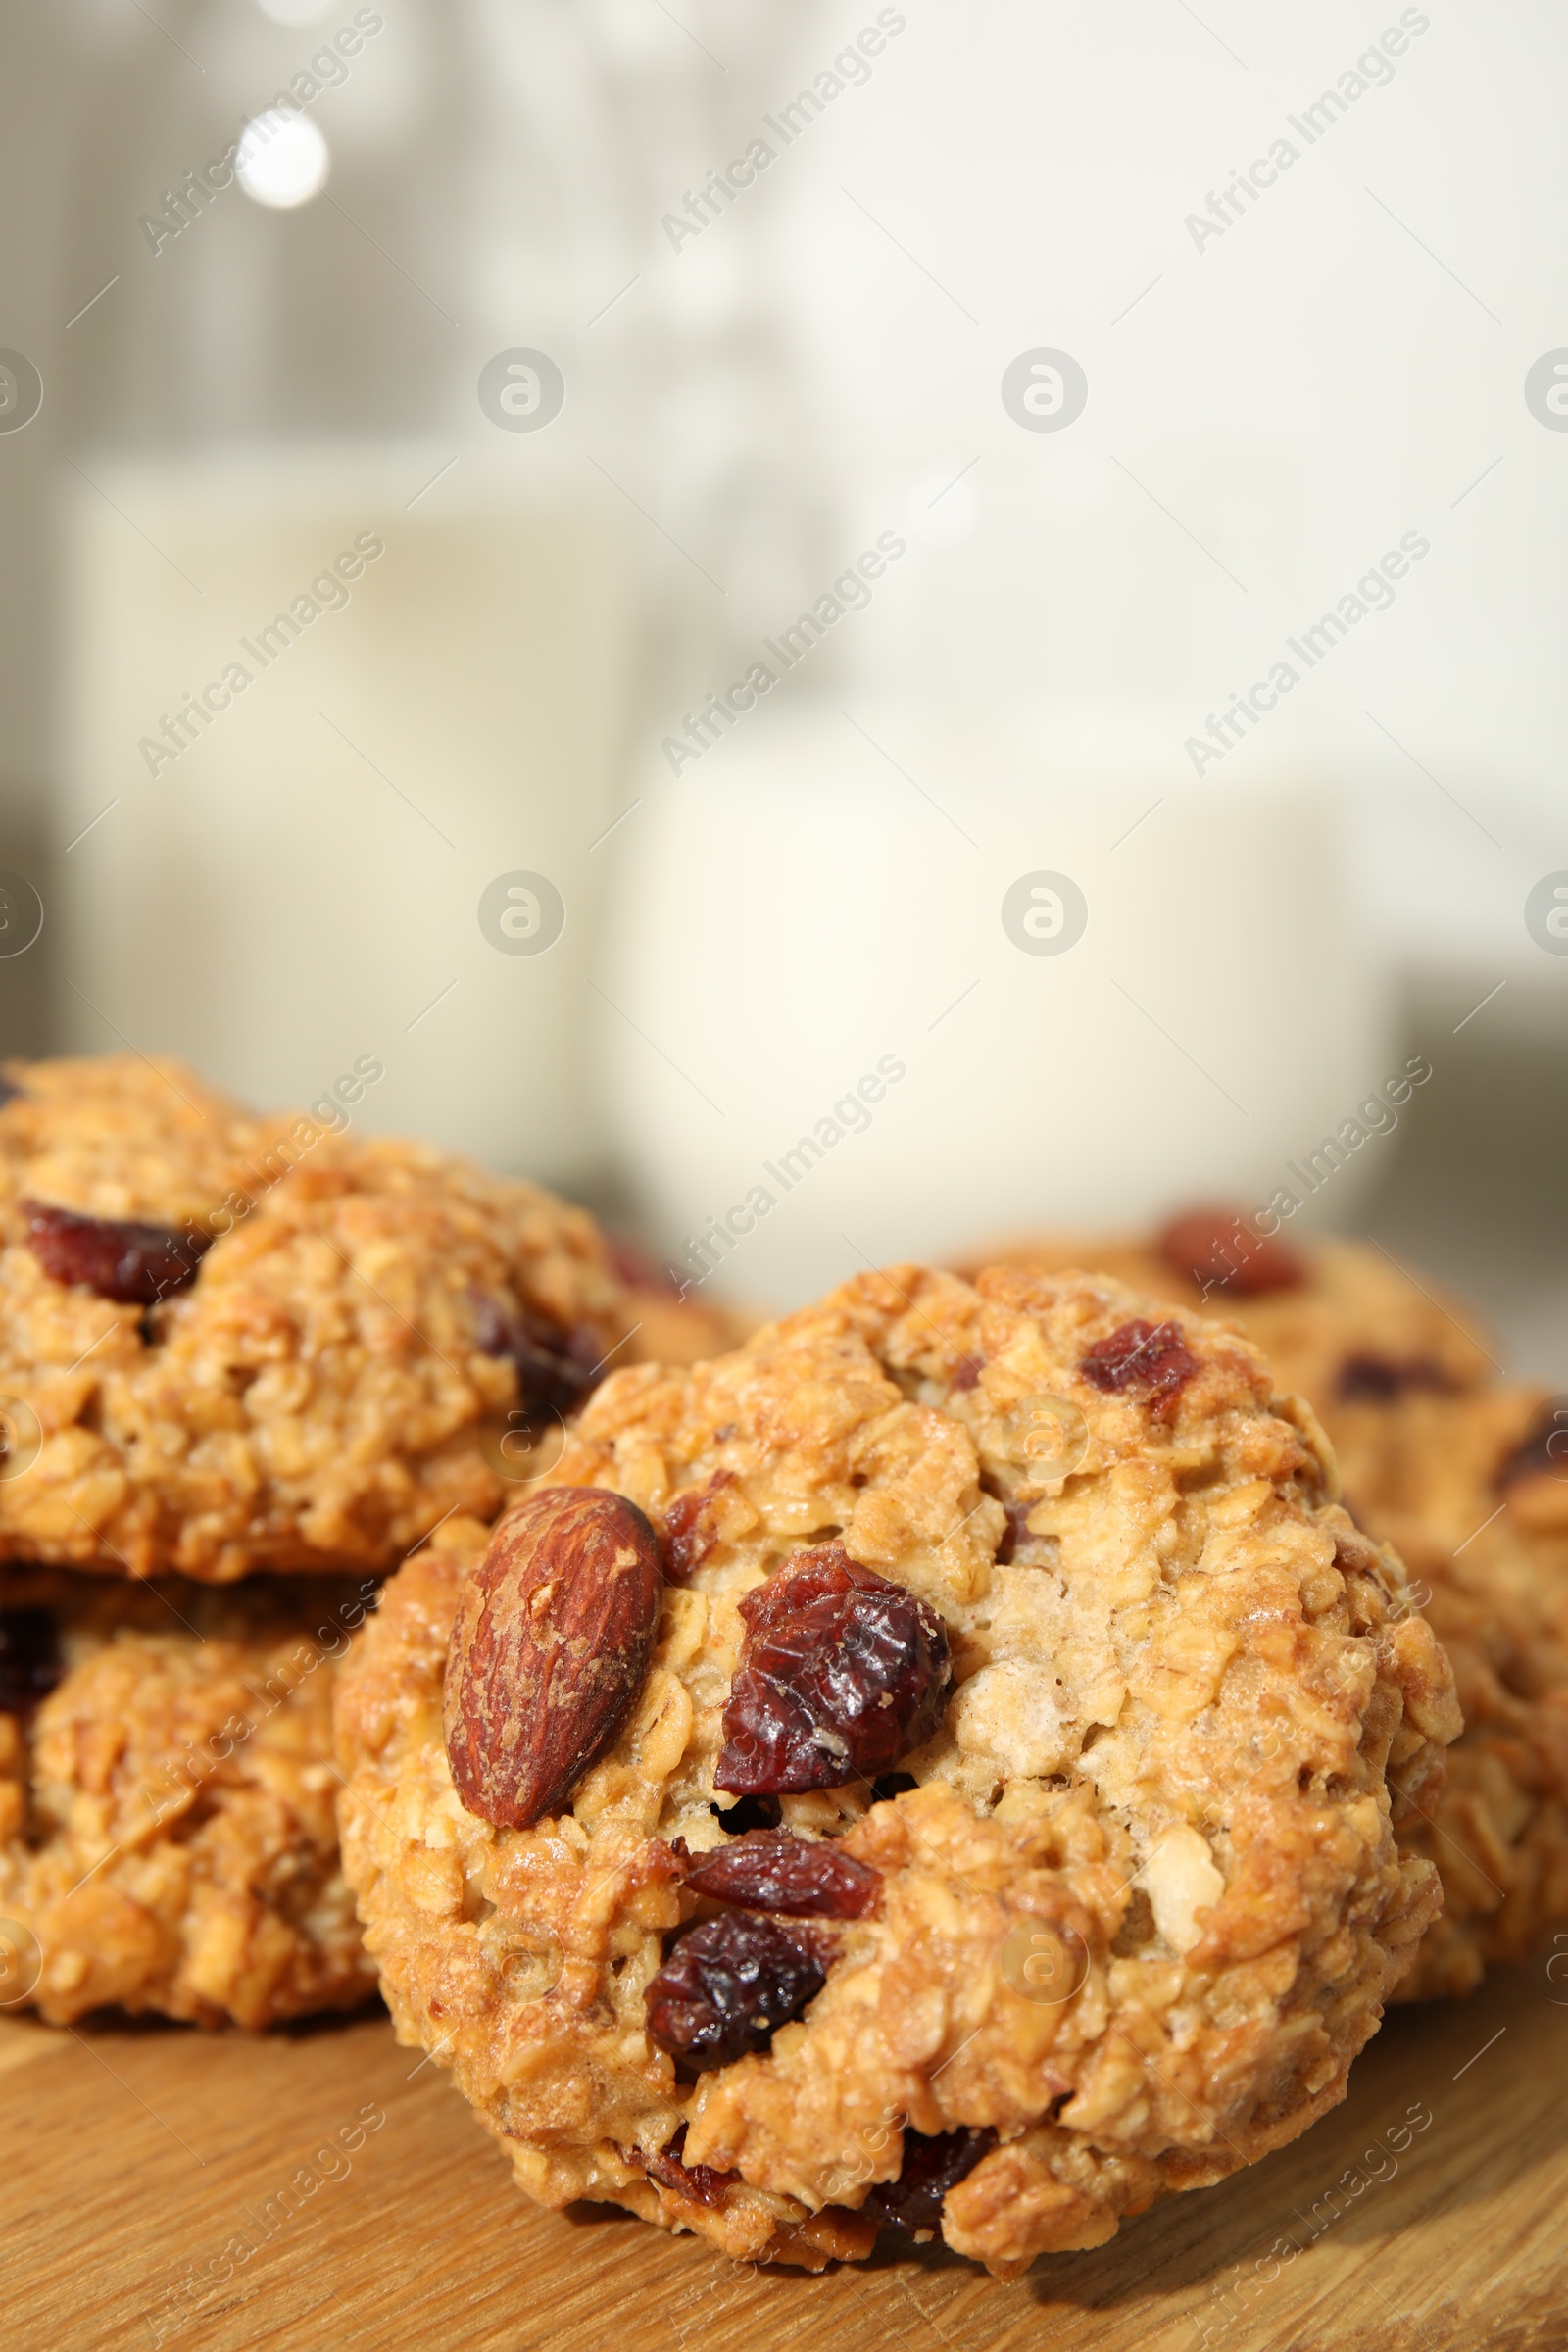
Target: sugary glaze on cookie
1184 1689
167 1839
374 1334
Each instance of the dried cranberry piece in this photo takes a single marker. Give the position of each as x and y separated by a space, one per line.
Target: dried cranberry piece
1150 1362
1544 1449
554 1369
729 1984
773 1870
966 1373
1377 1377
30 1663
933 2163
118 1257
842 1675
697 2183
691 1527
1214 1248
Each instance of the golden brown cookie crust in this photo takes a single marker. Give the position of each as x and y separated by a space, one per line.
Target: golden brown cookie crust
167 1835
1177 1715
1498 1832
321 1393
1488 1547
1354 1308
1426 1467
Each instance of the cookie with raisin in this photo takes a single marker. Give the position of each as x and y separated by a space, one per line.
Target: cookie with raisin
999 1835
1341 1322
230 1343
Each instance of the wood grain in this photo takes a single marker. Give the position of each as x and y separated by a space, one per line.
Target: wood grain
135 2156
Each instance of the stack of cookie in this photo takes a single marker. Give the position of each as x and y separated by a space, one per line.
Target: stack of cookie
949 1765
246 1366
1466 1474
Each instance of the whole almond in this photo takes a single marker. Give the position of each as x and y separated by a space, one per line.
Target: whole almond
548 1651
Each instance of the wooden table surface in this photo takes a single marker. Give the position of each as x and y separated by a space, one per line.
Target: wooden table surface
133 2157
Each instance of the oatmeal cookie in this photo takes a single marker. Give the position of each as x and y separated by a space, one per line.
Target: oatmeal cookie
1338 1321
999 1835
230 1343
167 1839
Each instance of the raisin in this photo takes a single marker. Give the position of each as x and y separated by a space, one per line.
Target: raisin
1543 1451
554 1369
118 1257
933 2163
1150 1362
772 1870
1214 1248
697 2183
1380 1377
30 1663
9 1090
728 1984
690 1527
843 1674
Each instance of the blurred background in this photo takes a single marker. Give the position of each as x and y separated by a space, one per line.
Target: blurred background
950 617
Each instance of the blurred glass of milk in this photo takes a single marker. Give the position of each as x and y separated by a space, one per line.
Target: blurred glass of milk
337 862
315 709
957 975
308 446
